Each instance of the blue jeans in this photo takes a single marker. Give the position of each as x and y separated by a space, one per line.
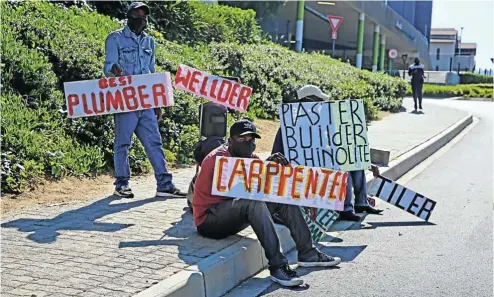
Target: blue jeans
357 179
145 126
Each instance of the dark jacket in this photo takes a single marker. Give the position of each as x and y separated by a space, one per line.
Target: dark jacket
417 73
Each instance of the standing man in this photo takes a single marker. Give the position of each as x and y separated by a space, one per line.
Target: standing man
218 217
131 51
416 71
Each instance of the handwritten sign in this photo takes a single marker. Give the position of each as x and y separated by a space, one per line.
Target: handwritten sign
401 197
267 181
324 219
118 94
213 88
326 134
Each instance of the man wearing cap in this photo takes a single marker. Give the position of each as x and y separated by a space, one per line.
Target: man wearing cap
219 217
311 93
131 51
416 71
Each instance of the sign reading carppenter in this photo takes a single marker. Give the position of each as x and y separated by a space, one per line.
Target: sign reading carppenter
255 179
118 94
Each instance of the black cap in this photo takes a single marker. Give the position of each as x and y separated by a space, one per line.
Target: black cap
136 5
242 128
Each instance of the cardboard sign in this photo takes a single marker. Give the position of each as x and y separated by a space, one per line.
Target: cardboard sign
324 219
401 197
267 181
326 134
118 94
214 88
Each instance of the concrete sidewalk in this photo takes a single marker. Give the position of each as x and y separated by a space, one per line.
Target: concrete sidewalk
120 247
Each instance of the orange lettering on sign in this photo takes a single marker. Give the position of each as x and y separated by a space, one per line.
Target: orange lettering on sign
297 179
312 180
143 96
182 79
129 94
114 101
333 186
324 185
220 163
72 100
239 169
343 186
286 173
256 175
159 92
272 170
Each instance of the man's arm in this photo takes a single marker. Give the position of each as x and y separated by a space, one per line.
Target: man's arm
111 55
153 57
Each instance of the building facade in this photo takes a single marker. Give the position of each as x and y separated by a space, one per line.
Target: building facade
446 52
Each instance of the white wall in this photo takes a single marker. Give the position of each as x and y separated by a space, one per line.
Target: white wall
446 51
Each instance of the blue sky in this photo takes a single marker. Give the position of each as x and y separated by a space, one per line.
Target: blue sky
476 18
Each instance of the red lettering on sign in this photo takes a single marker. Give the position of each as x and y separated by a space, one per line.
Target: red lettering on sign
256 175
182 79
114 101
343 186
243 98
219 187
239 169
101 108
103 83
222 94
324 185
129 78
203 90
129 94
286 172
213 88
193 81
72 100
111 82
233 94
121 81
84 105
335 183
143 96
272 170
312 179
297 179
159 92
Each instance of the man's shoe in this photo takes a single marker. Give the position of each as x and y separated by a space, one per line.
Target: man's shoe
368 209
349 216
285 276
171 192
124 192
319 260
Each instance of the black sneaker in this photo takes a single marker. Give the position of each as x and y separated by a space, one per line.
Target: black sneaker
124 192
285 276
171 192
319 260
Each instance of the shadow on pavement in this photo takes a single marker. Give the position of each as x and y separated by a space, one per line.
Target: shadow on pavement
374 225
45 230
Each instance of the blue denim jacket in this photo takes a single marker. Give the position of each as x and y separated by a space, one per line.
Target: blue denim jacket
135 54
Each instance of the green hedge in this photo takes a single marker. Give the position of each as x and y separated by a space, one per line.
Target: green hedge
472 78
46 44
467 91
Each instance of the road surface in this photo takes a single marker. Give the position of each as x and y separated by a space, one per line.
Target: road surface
397 254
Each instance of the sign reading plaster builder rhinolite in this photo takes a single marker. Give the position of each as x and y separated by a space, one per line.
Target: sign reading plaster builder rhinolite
401 197
326 134
259 180
212 87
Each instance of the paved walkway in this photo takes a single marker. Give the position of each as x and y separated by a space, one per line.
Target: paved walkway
119 247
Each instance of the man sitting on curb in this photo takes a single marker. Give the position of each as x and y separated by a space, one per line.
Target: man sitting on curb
219 217
310 93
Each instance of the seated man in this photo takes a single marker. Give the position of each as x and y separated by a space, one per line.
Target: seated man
310 93
218 217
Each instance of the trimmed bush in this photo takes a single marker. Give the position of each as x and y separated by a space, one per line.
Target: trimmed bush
472 78
467 91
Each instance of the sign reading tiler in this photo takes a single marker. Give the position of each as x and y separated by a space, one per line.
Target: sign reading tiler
402 197
118 94
326 134
212 87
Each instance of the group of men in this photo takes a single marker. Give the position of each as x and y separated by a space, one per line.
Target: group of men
131 51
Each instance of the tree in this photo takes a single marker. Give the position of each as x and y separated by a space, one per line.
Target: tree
263 9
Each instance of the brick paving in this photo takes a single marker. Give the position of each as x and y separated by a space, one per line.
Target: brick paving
119 247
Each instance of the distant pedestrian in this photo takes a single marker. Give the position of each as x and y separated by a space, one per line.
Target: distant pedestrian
131 51
416 71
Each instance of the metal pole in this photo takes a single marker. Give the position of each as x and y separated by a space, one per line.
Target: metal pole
450 64
334 41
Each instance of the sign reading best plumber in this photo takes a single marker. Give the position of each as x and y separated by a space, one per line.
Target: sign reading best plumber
326 134
402 197
118 94
267 181
212 87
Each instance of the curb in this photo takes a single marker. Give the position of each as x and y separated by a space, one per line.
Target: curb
218 274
